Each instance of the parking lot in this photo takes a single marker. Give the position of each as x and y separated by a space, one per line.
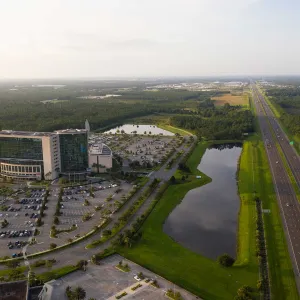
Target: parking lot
78 202
145 151
18 220
105 282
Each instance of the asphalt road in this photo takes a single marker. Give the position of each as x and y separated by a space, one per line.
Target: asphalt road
286 196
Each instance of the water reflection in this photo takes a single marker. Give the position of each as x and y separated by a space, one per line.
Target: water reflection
140 129
206 220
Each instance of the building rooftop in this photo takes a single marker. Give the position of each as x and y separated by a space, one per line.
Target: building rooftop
54 289
25 133
13 290
40 134
71 131
99 149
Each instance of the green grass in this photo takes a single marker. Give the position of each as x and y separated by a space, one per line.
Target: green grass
6 272
198 274
247 213
56 273
174 129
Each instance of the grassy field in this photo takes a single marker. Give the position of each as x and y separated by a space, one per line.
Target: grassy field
246 187
231 99
174 129
198 274
56 273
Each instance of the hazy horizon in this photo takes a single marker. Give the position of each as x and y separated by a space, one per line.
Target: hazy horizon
91 39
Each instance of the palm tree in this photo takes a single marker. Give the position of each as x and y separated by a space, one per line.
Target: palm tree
128 241
79 293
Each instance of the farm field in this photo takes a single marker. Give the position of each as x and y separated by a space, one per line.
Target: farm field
230 99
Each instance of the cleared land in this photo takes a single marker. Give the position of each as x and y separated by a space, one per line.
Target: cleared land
231 99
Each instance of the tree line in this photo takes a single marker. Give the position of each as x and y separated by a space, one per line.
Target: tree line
288 99
228 122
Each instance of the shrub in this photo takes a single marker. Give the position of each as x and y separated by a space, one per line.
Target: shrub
225 260
53 246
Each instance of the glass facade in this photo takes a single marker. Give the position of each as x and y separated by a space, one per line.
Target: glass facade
21 148
73 152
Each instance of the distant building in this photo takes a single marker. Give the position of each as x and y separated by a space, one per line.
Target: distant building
87 126
100 157
28 155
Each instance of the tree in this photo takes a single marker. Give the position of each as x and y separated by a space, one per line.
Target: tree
106 233
62 180
53 246
79 293
260 285
177 296
173 180
81 264
128 241
225 260
31 278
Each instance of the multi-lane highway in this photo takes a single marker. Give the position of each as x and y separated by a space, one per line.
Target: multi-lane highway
286 196
288 150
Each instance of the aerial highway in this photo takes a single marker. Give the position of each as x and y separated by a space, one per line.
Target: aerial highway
285 193
288 150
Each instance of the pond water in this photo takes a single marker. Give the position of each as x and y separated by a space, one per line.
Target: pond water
206 219
140 129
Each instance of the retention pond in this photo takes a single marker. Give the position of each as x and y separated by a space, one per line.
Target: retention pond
140 129
206 219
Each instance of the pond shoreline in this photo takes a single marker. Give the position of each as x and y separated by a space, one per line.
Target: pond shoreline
206 219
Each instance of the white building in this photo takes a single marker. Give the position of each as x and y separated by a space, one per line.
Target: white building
100 157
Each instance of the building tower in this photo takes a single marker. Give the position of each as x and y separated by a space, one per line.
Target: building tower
73 151
87 126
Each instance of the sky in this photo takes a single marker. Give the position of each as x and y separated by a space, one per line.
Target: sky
138 38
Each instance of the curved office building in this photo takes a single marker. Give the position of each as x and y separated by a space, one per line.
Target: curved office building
43 155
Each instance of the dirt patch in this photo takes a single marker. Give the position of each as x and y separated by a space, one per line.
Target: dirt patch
231 99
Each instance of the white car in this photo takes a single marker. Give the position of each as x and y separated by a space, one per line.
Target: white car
137 278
